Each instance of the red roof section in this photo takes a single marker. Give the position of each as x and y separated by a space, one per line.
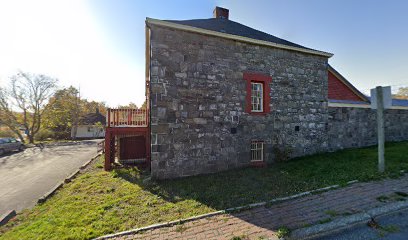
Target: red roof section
340 91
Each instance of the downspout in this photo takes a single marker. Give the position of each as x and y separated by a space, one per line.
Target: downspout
148 91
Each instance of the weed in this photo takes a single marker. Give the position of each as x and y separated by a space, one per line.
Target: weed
383 230
242 237
402 194
399 198
332 213
390 228
282 154
306 225
181 228
282 232
347 213
383 198
326 220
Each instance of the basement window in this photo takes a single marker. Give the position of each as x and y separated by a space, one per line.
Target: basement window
257 151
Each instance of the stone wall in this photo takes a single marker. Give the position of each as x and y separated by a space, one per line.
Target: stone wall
198 99
357 127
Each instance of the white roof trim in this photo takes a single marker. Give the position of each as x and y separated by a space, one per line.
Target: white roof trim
234 37
351 105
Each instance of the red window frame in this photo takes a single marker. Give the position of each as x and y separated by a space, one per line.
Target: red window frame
258 78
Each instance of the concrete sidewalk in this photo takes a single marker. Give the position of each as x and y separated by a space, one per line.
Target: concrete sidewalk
264 222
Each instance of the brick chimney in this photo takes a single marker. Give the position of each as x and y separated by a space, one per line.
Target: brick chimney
220 12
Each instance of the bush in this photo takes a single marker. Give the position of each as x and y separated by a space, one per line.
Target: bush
5 132
44 134
282 154
62 135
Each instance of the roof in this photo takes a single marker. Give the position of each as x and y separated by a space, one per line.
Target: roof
397 102
347 84
400 102
226 28
92 118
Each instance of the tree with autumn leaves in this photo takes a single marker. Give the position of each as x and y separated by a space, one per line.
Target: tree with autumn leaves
31 104
402 93
65 110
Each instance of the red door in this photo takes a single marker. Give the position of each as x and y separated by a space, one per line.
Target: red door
133 147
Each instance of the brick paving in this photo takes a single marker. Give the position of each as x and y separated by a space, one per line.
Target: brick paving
263 222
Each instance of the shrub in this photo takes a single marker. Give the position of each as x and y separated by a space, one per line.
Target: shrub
282 154
44 134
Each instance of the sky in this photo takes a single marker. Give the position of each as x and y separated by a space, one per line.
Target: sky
99 45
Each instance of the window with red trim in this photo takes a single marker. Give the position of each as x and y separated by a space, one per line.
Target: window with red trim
257 93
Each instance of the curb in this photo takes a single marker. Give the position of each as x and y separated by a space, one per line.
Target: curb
346 222
72 176
89 162
6 217
159 225
228 210
50 193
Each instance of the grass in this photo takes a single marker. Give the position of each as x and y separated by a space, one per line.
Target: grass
99 202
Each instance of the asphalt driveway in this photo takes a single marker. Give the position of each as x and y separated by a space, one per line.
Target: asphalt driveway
26 176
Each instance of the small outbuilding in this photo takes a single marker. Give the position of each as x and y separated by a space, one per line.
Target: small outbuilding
91 125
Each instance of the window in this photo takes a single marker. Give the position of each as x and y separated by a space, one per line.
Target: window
256 97
89 129
257 93
257 151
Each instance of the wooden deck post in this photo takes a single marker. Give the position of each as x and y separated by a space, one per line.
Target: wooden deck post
148 143
108 151
113 149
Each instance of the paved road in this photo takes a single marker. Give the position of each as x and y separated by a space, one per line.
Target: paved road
26 176
391 227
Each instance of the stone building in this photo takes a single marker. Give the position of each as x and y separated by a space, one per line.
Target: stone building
224 95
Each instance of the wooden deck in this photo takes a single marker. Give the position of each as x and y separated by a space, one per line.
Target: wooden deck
122 125
126 117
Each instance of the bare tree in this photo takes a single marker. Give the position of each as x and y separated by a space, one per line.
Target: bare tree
23 103
402 93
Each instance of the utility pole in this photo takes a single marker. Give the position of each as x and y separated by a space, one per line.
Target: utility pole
76 114
380 128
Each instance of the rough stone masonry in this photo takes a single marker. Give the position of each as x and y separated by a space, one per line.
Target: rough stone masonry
197 92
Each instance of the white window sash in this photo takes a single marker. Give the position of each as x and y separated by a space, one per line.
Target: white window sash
257 97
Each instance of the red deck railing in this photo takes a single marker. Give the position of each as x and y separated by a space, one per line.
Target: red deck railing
126 117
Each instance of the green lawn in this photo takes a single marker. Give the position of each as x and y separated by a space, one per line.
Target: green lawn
100 202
